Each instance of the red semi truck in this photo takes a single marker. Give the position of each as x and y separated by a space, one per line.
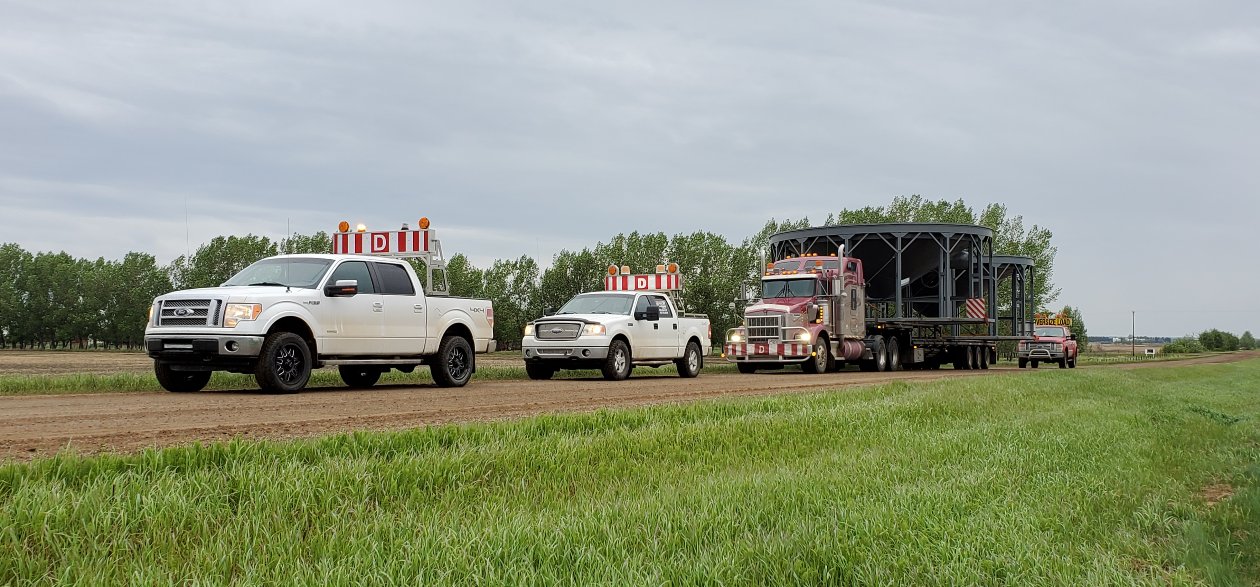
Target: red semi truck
812 312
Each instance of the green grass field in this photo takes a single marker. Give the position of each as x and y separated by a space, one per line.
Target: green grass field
1084 477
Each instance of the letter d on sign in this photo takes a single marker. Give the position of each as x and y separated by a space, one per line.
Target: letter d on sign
380 242
640 282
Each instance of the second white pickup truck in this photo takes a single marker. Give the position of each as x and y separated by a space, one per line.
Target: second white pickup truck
616 330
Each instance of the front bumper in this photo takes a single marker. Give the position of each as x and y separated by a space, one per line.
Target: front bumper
202 347
578 349
1042 355
767 352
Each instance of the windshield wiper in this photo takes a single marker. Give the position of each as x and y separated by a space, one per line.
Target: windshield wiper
269 283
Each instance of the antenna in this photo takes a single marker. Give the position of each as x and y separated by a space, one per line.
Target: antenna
187 233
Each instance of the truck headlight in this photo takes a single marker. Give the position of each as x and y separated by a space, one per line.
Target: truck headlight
237 313
529 330
151 306
803 337
594 330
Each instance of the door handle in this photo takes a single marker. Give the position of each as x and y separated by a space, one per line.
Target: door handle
656 327
418 307
675 327
377 306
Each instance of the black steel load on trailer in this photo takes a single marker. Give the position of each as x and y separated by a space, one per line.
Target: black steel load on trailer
931 290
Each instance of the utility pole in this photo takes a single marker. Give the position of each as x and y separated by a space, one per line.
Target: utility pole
1133 329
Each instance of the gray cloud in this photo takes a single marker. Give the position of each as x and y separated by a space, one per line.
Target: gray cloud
1127 128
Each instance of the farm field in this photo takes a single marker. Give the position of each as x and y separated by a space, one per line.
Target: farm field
1100 476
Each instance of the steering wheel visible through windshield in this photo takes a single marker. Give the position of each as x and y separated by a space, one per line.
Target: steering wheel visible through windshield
598 304
302 272
788 288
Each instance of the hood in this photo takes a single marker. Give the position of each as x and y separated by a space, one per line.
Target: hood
236 291
587 318
780 306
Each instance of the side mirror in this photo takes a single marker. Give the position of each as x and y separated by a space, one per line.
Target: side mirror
652 314
549 312
343 288
1072 336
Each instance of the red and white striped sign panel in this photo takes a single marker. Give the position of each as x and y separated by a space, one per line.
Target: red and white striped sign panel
976 308
391 242
655 282
781 349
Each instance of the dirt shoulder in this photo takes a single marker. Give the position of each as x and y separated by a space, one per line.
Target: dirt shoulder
34 426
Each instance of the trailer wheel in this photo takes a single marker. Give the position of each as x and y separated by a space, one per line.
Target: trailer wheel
984 358
746 368
180 381
894 354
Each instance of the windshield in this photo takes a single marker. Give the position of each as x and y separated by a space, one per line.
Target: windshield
598 304
303 272
1051 331
788 288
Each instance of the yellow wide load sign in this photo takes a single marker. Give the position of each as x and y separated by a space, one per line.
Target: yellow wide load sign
1059 319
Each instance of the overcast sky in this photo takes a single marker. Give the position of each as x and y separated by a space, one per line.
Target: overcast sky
1130 129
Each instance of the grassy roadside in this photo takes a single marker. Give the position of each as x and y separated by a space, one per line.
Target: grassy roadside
132 382
1098 477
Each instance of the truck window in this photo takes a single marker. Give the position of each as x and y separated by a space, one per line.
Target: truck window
641 304
394 280
664 306
356 270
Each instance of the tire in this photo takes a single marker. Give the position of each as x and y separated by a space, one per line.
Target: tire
746 368
1063 363
879 356
180 381
822 361
358 376
454 363
1072 363
984 359
1034 363
689 364
539 371
617 366
1023 363
894 354
284 365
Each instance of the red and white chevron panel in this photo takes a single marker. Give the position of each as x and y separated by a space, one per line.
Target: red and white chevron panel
653 282
976 308
765 349
392 242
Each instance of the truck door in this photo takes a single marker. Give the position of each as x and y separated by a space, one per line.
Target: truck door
406 315
667 334
354 324
643 333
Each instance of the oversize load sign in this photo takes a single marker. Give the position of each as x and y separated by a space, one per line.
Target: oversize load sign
392 242
1048 320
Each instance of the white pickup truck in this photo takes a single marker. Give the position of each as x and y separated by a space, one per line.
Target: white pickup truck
283 316
614 331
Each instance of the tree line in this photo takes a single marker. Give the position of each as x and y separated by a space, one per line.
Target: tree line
53 299
1211 340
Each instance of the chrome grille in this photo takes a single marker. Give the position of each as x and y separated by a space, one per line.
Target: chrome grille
764 328
189 312
557 330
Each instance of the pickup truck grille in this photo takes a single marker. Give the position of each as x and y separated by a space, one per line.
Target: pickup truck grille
195 312
764 328
557 330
